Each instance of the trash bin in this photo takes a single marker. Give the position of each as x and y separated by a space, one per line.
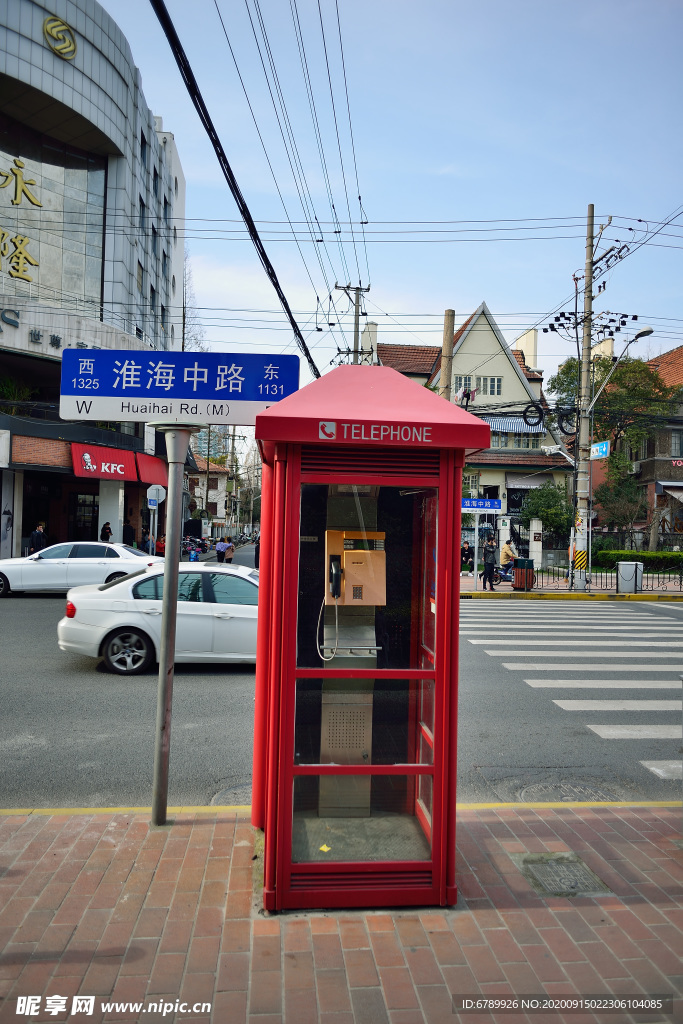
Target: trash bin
523 571
629 577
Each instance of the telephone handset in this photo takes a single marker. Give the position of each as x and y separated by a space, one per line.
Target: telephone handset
335 576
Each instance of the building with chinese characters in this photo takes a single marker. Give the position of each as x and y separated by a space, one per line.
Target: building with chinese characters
92 203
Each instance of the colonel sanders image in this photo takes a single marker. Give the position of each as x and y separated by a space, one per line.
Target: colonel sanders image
88 463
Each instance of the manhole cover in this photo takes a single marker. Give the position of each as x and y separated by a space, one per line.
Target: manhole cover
551 792
559 874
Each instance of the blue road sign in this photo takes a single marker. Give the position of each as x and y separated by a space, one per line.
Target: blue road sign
177 387
481 504
600 450
152 503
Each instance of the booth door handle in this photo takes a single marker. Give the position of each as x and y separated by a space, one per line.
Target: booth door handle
222 615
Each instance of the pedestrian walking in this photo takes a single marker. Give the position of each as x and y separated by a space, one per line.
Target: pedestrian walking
38 540
128 533
489 562
221 548
257 551
229 550
106 532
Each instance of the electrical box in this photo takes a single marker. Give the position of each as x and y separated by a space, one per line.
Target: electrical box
356 568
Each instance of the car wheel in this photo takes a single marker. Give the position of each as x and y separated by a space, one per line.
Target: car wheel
115 576
4 586
127 651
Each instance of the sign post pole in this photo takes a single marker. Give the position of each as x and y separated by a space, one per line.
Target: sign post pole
177 441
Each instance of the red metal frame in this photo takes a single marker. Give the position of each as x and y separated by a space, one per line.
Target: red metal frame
356 883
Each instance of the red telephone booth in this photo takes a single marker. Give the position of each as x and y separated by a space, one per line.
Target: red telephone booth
357 666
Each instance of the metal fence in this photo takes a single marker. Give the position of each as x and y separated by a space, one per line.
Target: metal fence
558 578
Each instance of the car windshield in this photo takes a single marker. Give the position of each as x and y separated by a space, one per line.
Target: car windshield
122 579
134 551
254 574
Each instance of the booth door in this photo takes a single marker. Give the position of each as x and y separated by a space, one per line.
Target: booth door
359 820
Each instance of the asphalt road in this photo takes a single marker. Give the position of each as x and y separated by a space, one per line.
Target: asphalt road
73 735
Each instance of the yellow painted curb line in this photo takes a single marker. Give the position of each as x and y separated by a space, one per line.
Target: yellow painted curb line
246 809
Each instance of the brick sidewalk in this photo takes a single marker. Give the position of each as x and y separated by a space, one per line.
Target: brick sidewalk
104 905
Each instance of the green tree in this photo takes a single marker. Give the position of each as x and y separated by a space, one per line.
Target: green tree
550 504
633 404
622 501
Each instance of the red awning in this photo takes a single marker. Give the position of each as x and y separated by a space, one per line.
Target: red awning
94 462
152 470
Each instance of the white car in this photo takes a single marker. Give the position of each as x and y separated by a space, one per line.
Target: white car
121 621
73 564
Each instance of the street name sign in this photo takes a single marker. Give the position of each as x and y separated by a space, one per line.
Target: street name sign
151 503
481 504
173 387
600 450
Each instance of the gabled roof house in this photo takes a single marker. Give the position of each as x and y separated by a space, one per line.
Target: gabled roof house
503 382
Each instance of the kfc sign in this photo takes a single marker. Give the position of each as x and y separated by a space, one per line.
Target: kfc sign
97 463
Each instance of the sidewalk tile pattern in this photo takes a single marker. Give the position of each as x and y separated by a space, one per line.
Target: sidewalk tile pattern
105 905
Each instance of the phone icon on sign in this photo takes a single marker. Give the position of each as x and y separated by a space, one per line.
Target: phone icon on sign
327 430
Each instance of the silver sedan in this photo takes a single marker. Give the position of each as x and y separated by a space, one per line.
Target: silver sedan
73 564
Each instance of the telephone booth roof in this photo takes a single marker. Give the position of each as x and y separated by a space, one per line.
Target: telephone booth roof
370 405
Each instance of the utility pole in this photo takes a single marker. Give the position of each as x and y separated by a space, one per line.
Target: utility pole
447 353
582 481
208 456
233 502
347 289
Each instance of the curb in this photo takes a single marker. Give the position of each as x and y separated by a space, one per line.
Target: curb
245 809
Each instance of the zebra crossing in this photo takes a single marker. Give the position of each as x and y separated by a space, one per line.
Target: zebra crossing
597 649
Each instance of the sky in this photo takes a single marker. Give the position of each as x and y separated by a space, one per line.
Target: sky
481 132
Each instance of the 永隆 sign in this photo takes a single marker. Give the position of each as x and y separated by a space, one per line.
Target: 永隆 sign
176 387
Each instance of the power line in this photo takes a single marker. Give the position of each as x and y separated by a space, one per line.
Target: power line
196 97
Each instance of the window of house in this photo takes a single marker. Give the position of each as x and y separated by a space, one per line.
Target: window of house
677 443
212 508
499 439
461 381
142 215
194 481
165 210
176 186
470 485
490 385
155 182
152 298
638 452
154 240
213 483
143 149
163 317
141 275
164 265
175 236
526 441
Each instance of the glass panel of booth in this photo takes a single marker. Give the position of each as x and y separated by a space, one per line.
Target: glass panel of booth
366 721
367 577
361 818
